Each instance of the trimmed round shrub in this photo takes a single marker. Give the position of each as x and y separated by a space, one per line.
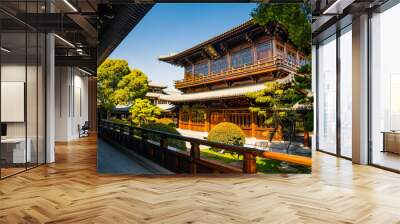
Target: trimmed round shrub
178 144
227 133
167 121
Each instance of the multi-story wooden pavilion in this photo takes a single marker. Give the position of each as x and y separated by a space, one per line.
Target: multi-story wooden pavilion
220 71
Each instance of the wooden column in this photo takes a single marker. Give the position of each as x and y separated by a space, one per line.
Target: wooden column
284 50
253 124
209 67
207 121
164 148
228 60
249 163
194 156
273 47
224 115
253 49
179 119
190 120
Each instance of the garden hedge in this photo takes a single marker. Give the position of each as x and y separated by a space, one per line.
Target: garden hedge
227 133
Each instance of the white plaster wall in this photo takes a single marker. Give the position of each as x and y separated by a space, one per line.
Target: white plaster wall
62 81
71 102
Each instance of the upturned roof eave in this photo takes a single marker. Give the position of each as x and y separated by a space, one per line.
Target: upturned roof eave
213 40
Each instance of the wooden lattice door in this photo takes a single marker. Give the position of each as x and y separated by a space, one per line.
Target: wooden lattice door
216 118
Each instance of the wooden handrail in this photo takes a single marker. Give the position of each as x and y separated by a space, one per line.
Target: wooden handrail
299 160
273 61
249 154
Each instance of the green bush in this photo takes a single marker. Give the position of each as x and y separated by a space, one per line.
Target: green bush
309 121
227 133
167 121
178 144
119 121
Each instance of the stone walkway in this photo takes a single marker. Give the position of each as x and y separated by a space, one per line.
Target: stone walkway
113 160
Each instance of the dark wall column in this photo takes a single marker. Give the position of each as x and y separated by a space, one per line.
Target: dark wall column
92 107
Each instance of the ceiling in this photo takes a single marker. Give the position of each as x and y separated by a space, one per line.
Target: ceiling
75 23
330 15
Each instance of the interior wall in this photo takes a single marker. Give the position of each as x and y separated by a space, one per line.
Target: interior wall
71 102
62 82
15 73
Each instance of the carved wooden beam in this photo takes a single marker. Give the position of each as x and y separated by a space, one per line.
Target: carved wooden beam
211 51
223 47
187 60
204 54
248 37
268 31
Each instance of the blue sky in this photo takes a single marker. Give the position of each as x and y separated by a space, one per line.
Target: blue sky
171 28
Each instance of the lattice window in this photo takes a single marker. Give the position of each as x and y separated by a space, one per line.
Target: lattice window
263 50
241 119
185 117
291 57
242 57
188 69
219 65
197 117
201 69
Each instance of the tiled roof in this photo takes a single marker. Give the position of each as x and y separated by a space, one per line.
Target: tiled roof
154 95
221 93
229 33
166 107
215 94
157 85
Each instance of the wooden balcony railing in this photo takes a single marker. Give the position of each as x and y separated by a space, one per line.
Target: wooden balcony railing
268 64
137 139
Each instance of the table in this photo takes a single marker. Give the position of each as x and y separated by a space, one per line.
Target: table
13 150
391 141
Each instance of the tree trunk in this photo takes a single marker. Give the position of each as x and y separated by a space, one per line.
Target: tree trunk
279 133
306 138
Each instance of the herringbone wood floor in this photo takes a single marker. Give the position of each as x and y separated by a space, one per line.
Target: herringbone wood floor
70 191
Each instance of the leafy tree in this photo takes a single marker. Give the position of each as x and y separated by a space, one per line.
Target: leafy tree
117 84
304 105
143 112
282 103
295 18
275 103
109 73
132 86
